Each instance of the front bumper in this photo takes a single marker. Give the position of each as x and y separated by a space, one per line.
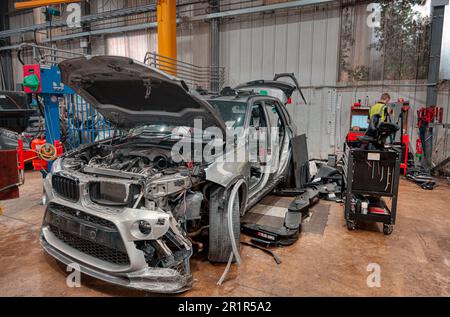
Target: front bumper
98 240
157 280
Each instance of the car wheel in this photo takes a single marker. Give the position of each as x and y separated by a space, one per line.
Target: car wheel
219 237
388 229
351 225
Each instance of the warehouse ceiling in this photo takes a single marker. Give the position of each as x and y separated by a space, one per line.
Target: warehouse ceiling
138 17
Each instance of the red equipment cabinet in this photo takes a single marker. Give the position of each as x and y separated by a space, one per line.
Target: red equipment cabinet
9 180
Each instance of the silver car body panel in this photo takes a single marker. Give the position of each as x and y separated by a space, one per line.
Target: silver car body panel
137 274
159 280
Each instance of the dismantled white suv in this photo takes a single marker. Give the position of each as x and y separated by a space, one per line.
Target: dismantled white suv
130 209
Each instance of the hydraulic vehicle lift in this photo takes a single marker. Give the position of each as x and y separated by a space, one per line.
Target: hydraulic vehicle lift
48 87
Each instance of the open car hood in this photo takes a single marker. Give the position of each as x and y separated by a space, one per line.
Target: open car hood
128 93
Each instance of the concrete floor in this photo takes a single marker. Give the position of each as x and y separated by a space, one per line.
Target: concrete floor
414 261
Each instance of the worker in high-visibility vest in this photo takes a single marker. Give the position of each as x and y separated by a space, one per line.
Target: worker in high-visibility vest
381 108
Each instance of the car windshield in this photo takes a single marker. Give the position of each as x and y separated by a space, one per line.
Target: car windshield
158 130
231 112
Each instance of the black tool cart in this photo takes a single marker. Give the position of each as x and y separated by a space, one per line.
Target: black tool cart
371 176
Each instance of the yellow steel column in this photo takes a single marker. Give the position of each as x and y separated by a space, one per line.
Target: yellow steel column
167 33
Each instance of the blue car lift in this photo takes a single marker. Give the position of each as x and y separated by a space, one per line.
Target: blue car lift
50 89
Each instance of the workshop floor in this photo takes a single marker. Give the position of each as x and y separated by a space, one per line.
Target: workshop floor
328 260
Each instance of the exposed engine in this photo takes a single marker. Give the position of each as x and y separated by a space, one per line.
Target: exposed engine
129 158
163 181
135 161
145 181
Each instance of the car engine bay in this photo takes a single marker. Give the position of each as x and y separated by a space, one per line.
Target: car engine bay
144 177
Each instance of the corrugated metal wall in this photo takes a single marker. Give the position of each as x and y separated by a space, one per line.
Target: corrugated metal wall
192 38
303 41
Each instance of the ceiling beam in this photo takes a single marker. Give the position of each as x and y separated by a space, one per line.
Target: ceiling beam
124 12
84 19
40 3
263 8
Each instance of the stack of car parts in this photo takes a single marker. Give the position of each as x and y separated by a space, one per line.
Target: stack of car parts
421 178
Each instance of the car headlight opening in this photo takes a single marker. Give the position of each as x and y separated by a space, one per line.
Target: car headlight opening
145 227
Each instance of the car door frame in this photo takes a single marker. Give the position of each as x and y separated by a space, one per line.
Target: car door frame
251 101
290 132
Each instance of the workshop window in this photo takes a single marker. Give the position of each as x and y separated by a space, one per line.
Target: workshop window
387 40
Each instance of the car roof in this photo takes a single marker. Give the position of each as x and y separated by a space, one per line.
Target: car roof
229 98
286 88
236 98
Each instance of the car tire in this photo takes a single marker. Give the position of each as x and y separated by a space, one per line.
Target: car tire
219 239
388 229
351 225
